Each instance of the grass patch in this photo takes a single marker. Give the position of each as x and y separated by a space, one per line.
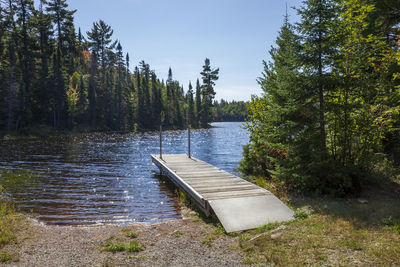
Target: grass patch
261 182
340 232
111 246
208 240
392 223
300 215
8 220
131 234
5 257
184 198
133 246
177 233
11 181
268 227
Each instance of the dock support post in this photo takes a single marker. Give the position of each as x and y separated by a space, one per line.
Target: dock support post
189 141
160 141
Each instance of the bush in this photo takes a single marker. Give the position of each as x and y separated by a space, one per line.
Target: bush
255 161
325 177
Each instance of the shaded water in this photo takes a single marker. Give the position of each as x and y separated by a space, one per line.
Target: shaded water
107 178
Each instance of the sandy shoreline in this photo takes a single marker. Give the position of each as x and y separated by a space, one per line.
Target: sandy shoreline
184 242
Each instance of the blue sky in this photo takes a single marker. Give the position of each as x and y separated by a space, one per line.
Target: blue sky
235 34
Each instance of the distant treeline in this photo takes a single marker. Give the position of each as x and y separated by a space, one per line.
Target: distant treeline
230 111
53 76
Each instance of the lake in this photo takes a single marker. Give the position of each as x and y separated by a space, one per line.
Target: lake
94 179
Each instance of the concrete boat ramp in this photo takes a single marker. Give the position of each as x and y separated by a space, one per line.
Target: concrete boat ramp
238 204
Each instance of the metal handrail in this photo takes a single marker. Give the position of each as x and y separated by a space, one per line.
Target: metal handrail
189 155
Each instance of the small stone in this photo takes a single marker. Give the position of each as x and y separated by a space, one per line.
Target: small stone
276 235
362 201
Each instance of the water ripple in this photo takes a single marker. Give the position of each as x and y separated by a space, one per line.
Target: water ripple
93 179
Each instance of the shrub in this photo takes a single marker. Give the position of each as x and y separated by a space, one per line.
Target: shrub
255 161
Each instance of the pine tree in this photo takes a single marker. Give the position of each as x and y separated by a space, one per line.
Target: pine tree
60 15
82 102
169 99
92 91
317 32
190 112
209 76
50 77
119 84
156 104
9 66
279 120
147 116
42 86
140 107
197 105
101 44
24 12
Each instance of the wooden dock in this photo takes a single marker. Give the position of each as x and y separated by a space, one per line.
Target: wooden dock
238 204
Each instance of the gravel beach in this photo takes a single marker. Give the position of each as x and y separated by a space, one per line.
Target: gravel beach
186 242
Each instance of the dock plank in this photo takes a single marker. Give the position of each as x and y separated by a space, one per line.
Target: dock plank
239 204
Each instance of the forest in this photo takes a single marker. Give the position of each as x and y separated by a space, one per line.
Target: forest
328 119
230 111
55 77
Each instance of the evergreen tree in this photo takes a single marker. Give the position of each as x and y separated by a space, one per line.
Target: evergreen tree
197 105
63 20
279 136
24 12
9 66
317 32
169 99
119 84
190 101
146 117
140 110
92 92
209 76
42 86
53 76
156 104
82 101
329 101
61 16
101 44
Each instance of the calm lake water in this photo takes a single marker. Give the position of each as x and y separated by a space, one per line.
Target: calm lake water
109 178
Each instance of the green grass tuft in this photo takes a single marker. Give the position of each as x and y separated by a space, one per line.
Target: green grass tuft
392 223
131 235
300 215
133 246
115 247
5 257
8 220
